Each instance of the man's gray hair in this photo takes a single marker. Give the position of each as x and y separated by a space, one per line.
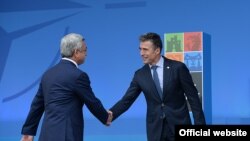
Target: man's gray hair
70 43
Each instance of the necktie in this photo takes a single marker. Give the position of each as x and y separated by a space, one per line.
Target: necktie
156 80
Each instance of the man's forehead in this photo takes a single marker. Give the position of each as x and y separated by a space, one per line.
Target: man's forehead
148 43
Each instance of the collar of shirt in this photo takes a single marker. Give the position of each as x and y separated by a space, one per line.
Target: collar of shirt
159 63
64 58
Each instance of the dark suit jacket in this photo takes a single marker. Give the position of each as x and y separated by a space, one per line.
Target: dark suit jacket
176 81
63 91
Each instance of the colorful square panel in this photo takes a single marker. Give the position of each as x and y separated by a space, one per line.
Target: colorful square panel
193 60
174 42
192 41
175 56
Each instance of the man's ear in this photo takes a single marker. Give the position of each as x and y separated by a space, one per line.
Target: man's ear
75 52
157 51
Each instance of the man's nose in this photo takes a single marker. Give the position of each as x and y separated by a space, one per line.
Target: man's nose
142 53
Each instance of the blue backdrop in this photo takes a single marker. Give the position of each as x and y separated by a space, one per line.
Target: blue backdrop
30 33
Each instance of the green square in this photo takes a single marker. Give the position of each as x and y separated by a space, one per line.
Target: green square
173 42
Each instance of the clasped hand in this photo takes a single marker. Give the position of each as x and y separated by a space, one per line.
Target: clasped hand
110 118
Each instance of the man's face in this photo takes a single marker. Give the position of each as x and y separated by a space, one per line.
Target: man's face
81 54
149 54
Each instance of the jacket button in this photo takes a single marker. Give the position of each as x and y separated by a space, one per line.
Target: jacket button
162 116
162 105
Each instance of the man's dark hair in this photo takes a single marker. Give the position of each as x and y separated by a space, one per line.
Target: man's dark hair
153 37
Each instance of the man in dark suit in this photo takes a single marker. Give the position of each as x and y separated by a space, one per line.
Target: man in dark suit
165 83
63 91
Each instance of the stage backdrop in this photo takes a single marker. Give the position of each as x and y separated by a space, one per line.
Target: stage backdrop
30 33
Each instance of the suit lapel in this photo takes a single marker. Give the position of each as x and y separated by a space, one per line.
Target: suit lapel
166 75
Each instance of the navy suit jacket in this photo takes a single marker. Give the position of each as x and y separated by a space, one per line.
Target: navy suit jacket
173 107
63 91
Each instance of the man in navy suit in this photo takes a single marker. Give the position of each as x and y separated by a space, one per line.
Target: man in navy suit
166 97
63 91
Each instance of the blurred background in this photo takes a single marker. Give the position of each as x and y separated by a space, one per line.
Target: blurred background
30 33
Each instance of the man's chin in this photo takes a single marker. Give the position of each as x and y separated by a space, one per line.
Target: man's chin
145 62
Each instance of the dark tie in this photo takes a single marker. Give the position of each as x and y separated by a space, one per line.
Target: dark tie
156 80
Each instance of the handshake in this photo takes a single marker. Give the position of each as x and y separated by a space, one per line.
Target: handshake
110 118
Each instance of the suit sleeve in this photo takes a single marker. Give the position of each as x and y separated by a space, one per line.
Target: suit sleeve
192 94
35 114
84 91
127 100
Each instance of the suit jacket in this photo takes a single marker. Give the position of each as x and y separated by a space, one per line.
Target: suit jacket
173 107
63 91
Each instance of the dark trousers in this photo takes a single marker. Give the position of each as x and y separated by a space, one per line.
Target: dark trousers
167 134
